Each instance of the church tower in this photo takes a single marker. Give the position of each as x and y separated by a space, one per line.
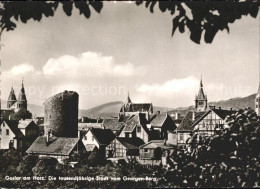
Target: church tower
22 102
201 99
11 99
128 104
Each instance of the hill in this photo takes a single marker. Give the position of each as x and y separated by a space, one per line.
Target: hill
234 103
111 109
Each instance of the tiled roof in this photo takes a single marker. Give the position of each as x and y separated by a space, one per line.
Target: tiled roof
56 145
187 121
130 143
13 125
138 107
103 136
223 113
24 123
134 120
123 118
141 107
153 144
112 124
159 119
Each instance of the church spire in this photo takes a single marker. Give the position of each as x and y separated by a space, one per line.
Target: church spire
128 100
201 98
201 85
22 101
12 98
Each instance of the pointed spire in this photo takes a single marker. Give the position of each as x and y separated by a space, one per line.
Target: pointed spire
201 85
128 100
22 96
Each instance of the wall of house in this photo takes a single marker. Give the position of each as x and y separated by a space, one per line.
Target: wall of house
90 139
146 153
182 137
142 134
5 139
115 149
207 126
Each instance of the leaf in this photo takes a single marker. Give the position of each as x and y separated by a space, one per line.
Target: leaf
175 24
210 33
254 11
67 7
97 5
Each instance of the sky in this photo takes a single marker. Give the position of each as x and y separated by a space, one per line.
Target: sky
125 49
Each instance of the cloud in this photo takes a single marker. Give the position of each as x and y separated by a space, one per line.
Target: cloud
87 64
185 86
20 69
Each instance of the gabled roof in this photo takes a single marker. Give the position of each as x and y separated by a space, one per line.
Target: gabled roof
159 119
187 122
13 125
223 113
103 136
134 120
112 124
56 145
24 123
220 112
130 143
153 144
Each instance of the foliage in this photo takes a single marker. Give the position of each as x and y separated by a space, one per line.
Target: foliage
25 10
45 167
26 165
96 158
227 159
198 17
21 114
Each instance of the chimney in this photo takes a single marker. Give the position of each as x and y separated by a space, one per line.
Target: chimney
158 112
219 107
176 116
231 108
48 138
193 116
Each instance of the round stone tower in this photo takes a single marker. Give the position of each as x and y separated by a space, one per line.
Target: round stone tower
61 114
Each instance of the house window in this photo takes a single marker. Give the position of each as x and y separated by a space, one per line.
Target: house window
146 150
127 135
85 137
138 129
3 124
93 138
7 131
181 136
11 144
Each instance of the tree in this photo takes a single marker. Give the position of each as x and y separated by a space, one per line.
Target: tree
21 114
207 17
45 167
